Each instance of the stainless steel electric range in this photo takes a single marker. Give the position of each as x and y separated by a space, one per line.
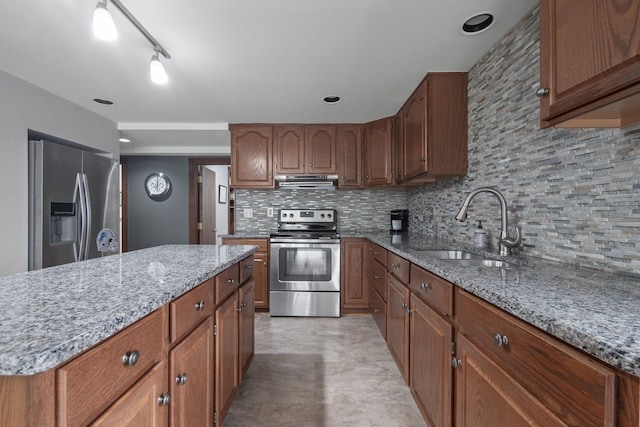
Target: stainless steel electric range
305 264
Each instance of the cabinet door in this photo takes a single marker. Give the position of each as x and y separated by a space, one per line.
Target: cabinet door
378 311
139 405
486 396
191 378
320 149
430 363
349 143
414 124
246 327
261 276
378 154
251 157
355 289
398 324
289 150
226 351
398 148
588 50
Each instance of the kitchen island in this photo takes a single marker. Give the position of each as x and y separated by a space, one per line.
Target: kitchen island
51 316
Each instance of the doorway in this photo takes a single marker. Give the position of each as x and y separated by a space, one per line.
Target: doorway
208 199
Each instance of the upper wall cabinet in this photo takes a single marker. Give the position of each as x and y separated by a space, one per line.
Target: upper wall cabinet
434 129
305 150
589 63
349 148
251 156
378 160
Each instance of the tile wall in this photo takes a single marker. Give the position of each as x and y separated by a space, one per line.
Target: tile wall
575 193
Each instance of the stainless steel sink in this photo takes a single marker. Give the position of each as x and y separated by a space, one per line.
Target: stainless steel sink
482 263
452 255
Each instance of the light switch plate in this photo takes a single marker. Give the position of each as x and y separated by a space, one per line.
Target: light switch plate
248 213
270 212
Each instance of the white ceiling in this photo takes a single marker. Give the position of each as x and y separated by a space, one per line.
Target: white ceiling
243 61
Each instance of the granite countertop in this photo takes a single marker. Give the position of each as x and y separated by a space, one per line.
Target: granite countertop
50 315
595 311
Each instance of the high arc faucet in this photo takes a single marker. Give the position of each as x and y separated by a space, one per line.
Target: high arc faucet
506 242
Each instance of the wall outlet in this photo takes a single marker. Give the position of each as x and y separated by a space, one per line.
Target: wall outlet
248 213
270 212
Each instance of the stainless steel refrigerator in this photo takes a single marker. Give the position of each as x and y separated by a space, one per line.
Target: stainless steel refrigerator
73 205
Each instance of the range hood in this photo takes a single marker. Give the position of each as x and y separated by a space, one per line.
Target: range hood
306 182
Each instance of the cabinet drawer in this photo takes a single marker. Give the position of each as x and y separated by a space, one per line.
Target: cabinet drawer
89 384
263 243
226 283
433 290
190 309
574 387
379 312
246 269
379 279
379 254
398 266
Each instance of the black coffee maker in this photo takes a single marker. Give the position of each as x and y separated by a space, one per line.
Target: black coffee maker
399 221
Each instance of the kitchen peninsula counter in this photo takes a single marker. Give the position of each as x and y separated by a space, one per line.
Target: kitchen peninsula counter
49 316
595 311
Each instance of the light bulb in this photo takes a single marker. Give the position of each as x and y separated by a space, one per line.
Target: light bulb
103 26
158 74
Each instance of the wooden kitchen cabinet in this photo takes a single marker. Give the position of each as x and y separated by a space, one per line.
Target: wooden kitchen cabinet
309 149
191 378
260 268
378 154
377 278
246 326
398 147
354 286
430 378
140 405
589 56
434 129
349 156
226 355
398 324
251 156
398 267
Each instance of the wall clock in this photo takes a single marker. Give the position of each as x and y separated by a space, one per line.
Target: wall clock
158 186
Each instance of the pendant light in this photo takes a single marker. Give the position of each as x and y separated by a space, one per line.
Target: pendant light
103 26
158 74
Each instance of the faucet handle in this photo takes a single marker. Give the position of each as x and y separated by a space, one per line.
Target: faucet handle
511 242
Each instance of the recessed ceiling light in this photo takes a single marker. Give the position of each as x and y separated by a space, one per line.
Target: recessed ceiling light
478 23
103 101
332 99
125 140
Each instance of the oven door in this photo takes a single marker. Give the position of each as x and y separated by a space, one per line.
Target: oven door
305 265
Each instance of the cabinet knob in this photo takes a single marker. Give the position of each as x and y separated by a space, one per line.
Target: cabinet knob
456 362
239 309
403 305
181 379
376 253
422 159
231 281
376 277
264 263
301 165
500 340
131 358
310 164
542 91
199 306
164 399
424 286
376 310
249 266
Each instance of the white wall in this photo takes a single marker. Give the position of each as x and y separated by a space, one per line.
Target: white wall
25 107
222 209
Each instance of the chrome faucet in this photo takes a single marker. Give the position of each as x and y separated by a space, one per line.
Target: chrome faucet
506 242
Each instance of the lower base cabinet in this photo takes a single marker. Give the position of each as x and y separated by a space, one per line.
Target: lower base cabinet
140 406
398 324
226 360
246 326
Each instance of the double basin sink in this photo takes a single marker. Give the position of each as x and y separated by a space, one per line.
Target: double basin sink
466 259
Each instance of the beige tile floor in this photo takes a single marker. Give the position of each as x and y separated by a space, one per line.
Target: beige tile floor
322 372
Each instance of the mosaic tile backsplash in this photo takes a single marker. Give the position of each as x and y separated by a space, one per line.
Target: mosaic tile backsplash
574 193
358 210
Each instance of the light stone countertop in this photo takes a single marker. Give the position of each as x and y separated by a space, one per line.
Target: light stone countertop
50 315
594 311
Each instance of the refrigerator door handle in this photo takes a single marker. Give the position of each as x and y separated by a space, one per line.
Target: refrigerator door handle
87 222
78 195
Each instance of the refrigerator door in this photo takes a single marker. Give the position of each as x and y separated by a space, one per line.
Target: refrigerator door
102 183
54 214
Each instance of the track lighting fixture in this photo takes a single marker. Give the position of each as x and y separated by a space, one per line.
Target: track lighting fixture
158 74
103 26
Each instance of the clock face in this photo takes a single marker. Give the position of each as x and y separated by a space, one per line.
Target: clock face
157 185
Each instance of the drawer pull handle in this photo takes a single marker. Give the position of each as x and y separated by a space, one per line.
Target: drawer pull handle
500 340
164 399
408 311
200 306
131 358
244 304
239 309
376 310
456 362
249 266
376 277
231 281
181 379
376 253
424 286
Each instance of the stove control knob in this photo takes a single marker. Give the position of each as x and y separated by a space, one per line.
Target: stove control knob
284 215
290 215
328 215
321 215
